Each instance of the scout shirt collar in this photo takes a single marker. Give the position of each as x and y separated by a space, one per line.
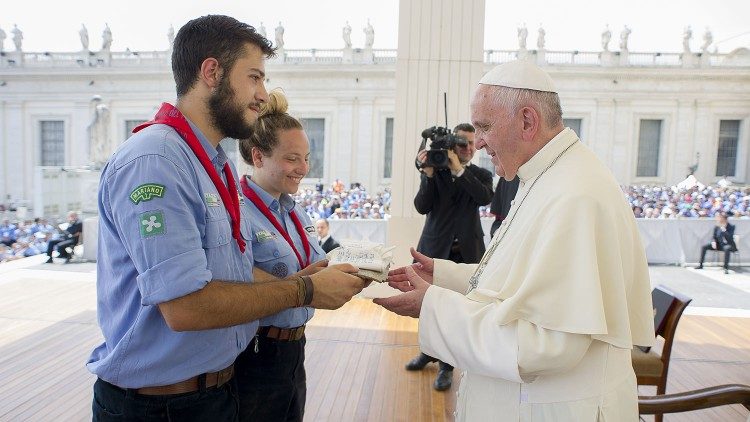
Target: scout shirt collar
285 202
217 155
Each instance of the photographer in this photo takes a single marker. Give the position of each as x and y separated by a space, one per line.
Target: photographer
450 196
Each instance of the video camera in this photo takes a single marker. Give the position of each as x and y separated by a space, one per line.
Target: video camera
443 140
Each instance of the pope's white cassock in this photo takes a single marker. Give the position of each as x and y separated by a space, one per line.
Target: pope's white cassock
547 333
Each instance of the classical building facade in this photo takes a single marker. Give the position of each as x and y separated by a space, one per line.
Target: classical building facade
652 117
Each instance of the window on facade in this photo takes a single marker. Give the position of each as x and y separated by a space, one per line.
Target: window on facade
574 124
52 136
129 126
388 153
315 130
726 159
649 141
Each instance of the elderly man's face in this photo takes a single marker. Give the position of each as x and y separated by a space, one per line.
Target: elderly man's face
498 131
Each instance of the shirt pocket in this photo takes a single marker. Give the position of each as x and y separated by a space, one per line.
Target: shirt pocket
218 232
271 250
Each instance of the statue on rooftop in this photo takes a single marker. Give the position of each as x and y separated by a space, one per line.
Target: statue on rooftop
2 39
606 37
540 38
522 34
262 30
170 36
106 38
369 35
280 36
84 34
347 35
708 39
624 38
686 37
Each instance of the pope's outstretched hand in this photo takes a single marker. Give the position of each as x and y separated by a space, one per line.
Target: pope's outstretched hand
423 267
410 302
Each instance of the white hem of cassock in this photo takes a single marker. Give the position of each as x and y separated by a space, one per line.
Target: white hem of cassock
464 334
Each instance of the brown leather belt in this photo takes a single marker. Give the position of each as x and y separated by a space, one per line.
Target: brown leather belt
282 334
213 379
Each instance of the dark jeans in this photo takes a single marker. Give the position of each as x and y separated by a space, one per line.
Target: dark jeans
112 403
727 253
271 384
60 245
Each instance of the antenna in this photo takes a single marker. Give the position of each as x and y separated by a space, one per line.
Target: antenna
445 105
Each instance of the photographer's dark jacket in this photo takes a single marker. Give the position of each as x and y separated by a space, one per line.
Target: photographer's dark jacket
452 209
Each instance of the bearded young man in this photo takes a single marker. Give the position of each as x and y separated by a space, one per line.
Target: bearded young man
544 325
175 302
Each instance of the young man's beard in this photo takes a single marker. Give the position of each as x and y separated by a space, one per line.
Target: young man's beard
226 114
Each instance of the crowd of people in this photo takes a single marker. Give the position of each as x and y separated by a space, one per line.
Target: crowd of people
693 202
335 202
22 239
338 203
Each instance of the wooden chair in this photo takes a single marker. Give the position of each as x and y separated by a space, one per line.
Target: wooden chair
695 400
651 367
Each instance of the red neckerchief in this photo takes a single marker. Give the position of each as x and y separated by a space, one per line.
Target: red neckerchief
169 115
255 199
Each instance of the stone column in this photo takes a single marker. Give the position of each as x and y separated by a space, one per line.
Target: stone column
432 58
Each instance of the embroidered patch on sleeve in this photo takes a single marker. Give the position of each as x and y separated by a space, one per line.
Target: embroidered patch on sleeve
152 223
147 192
310 230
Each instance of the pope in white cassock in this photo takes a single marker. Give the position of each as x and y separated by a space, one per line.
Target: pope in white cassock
544 325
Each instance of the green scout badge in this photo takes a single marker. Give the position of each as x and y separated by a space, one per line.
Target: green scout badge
212 199
147 192
264 236
151 223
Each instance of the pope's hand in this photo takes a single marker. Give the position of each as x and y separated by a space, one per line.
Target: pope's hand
409 303
423 267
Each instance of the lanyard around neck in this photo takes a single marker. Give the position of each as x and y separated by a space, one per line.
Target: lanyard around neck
169 115
263 208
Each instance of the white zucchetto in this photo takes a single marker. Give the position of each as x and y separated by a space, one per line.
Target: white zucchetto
521 74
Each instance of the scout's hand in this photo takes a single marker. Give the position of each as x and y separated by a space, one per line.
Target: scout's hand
423 267
409 303
334 286
454 162
312 268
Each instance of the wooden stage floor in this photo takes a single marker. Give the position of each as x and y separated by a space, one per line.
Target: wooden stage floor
355 357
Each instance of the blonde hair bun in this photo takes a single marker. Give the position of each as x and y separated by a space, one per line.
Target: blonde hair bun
276 104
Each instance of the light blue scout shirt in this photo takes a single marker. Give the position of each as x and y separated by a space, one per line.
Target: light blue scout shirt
163 234
273 254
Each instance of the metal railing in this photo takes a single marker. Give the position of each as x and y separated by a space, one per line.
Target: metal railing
125 59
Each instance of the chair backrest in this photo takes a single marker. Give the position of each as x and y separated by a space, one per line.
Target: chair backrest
686 401
672 311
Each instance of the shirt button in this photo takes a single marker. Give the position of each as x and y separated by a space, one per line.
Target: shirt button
276 254
513 202
522 184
